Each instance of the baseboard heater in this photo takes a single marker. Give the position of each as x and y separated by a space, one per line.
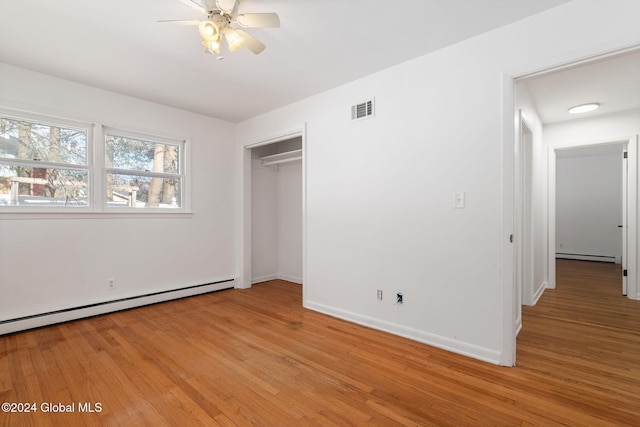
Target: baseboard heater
64 315
585 257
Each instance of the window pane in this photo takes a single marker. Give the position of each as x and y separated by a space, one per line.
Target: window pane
26 186
142 191
32 141
140 155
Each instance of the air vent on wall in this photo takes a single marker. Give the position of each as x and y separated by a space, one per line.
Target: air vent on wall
362 110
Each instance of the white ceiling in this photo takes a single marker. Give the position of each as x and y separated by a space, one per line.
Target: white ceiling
119 46
613 82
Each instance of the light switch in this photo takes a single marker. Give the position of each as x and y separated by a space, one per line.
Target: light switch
458 200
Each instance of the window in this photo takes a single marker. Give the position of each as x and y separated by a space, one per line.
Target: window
43 164
142 172
51 165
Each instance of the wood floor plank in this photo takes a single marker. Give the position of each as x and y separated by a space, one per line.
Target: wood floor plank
256 357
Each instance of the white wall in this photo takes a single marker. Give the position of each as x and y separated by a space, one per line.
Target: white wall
379 192
276 222
589 205
264 222
290 221
601 129
50 264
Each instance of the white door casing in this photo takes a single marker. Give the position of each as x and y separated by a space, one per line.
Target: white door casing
624 226
629 230
244 253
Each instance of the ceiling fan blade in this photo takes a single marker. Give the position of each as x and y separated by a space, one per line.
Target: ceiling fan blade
250 42
181 21
257 20
194 5
226 6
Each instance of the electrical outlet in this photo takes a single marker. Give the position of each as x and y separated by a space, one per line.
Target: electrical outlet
399 298
111 283
380 294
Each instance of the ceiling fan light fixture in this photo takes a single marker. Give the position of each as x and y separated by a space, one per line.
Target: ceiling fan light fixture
212 46
234 40
209 30
221 15
584 108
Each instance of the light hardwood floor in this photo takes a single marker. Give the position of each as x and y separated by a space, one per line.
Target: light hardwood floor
256 357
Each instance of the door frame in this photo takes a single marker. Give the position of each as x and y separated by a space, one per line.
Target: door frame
509 123
625 216
244 281
523 216
629 229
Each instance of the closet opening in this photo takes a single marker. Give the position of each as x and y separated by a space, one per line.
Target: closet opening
276 211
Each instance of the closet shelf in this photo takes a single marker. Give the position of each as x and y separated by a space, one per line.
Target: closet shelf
289 156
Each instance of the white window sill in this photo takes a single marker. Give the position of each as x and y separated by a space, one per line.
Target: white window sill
91 215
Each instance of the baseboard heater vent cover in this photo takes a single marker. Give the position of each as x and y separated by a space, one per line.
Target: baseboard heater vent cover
585 257
89 310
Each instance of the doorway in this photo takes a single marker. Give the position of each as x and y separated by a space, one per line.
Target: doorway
589 203
276 211
592 232
266 158
546 98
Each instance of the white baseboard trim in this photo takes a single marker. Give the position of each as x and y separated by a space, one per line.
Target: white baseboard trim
538 294
280 276
288 278
264 278
73 313
580 257
466 349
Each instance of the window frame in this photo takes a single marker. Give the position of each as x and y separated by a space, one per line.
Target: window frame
46 120
97 172
148 137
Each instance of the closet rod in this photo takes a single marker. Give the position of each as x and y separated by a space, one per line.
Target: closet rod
275 162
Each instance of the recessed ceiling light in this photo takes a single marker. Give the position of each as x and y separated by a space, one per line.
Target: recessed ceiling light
583 108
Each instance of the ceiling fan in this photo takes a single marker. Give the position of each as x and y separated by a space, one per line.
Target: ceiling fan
221 14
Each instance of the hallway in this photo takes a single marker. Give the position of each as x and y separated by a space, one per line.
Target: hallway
586 334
